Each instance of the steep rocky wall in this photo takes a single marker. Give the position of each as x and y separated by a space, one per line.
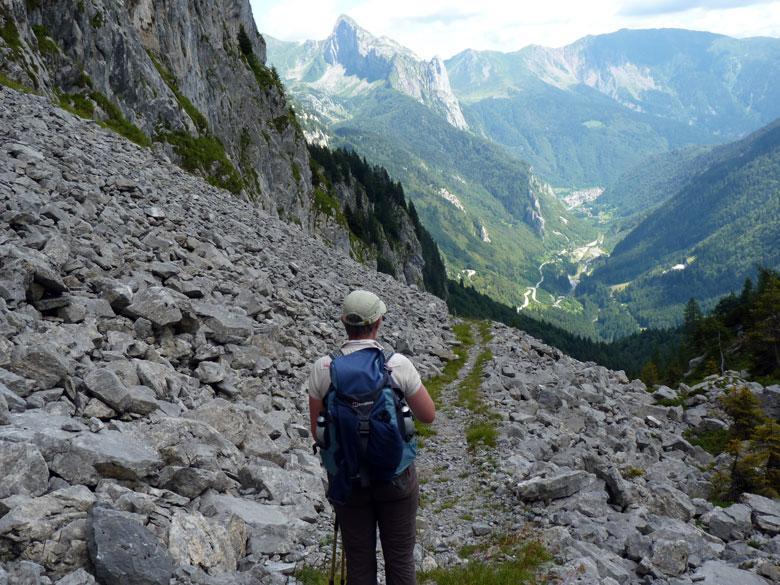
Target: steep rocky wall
196 43
179 72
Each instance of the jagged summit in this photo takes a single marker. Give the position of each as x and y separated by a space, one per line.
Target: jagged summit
353 62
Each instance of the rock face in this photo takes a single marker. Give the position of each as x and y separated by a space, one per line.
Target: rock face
190 79
145 56
359 54
156 339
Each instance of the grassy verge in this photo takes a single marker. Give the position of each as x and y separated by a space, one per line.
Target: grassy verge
311 576
714 442
20 87
482 428
508 560
452 368
83 104
436 385
206 154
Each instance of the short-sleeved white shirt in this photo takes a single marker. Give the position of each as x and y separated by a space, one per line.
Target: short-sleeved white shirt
402 371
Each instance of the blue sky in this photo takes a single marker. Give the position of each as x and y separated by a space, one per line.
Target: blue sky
446 27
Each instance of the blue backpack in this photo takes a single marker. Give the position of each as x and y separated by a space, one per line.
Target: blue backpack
365 431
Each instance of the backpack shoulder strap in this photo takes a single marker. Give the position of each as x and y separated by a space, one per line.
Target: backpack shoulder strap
333 356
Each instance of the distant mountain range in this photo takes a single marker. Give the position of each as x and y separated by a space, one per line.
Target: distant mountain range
585 113
494 220
351 62
499 150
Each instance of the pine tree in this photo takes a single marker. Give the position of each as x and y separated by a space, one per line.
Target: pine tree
764 339
743 406
691 320
649 374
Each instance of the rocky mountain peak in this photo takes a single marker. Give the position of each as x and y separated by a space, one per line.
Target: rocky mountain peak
355 56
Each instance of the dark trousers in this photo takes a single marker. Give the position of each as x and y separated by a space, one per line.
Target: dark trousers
391 507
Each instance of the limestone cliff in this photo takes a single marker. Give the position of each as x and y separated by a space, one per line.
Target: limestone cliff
186 78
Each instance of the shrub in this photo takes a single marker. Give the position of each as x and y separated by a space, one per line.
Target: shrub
483 432
509 562
742 406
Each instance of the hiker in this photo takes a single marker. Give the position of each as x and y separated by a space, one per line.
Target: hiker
389 505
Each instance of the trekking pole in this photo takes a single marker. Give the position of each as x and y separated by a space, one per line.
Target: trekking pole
332 580
343 562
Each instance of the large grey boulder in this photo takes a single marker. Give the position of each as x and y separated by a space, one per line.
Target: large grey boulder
670 557
284 486
23 471
664 393
104 384
560 485
765 513
669 501
190 443
720 573
124 552
14 402
224 326
40 362
88 457
117 294
156 304
193 481
202 542
732 523
271 527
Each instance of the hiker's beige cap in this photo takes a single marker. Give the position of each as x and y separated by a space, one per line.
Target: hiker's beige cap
362 307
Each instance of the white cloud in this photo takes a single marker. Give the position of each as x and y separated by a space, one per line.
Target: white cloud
439 27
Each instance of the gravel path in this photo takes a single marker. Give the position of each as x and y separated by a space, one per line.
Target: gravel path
457 501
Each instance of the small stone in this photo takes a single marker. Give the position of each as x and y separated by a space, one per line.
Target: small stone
155 304
210 372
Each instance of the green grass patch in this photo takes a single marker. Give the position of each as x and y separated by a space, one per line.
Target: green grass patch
46 44
510 564
679 401
266 78
98 20
326 203
117 121
206 154
9 33
714 442
307 575
13 84
83 105
481 432
468 391
78 103
452 368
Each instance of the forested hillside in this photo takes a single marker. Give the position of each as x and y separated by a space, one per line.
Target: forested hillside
742 332
375 210
706 239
